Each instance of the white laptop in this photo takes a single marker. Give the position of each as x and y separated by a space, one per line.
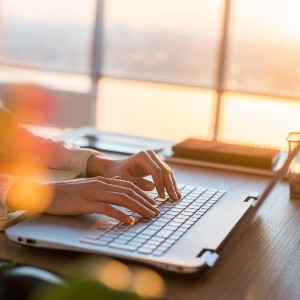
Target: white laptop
186 237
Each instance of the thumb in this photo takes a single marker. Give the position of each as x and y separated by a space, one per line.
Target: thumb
142 183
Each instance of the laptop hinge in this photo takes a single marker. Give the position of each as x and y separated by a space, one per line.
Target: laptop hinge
210 257
252 200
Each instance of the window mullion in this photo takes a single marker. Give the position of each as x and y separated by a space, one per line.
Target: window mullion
221 66
96 58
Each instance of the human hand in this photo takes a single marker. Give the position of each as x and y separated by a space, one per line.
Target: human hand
134 168
82 196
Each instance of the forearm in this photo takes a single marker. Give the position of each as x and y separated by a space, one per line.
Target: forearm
68 157
19 147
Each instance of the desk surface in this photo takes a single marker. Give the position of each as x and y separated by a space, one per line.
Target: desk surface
263 264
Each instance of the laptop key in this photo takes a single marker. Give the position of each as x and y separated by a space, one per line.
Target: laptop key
149 232
137 228
153 242
92 237
120 241
145 250
123 247
95 242
156 238
140 239
163 248
158 253
170 227
135 243
164 233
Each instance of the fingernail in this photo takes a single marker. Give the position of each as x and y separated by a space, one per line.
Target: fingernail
156 210
162 195
151 213
130 220
149 186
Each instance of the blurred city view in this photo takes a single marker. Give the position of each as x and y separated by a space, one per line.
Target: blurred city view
257 61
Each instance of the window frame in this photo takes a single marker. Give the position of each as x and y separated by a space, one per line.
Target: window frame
96 73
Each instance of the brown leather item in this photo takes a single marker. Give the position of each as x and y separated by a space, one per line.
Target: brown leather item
226 153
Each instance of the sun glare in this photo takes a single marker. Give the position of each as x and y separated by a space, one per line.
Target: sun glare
115 275
288 20
148 283
38 196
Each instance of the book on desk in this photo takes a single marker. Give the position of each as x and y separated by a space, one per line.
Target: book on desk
225 156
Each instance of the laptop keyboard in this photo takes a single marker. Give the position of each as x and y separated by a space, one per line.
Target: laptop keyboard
156 235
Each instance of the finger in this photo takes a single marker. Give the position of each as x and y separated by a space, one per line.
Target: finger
96 184
95 181
79 182
121 199
167 177
142 183
178 192
127 189
154 170
110 211
130 185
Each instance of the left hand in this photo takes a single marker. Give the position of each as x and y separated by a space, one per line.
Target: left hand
134 168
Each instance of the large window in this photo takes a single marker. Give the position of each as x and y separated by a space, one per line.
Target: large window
163 54
166 69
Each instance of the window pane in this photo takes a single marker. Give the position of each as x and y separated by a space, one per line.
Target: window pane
55 34
154 110
263 121
55 80
169 40
264 47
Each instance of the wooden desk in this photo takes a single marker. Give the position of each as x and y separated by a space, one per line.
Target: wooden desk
263 264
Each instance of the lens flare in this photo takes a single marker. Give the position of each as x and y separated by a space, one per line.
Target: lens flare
29 194
148 283
115 275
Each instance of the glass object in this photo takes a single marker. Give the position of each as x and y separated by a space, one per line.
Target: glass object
48 34
294 169
171 41
264 46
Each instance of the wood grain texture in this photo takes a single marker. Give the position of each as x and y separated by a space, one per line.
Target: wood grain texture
262 263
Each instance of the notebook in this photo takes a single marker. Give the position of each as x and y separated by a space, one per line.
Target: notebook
221 152
225 156
187 237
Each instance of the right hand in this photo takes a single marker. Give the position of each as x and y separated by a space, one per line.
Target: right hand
82 196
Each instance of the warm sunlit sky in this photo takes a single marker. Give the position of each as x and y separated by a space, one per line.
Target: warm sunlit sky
266 17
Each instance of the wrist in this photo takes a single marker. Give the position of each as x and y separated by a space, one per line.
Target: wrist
99 165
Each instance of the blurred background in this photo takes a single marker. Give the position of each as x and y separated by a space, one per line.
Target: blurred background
165 69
